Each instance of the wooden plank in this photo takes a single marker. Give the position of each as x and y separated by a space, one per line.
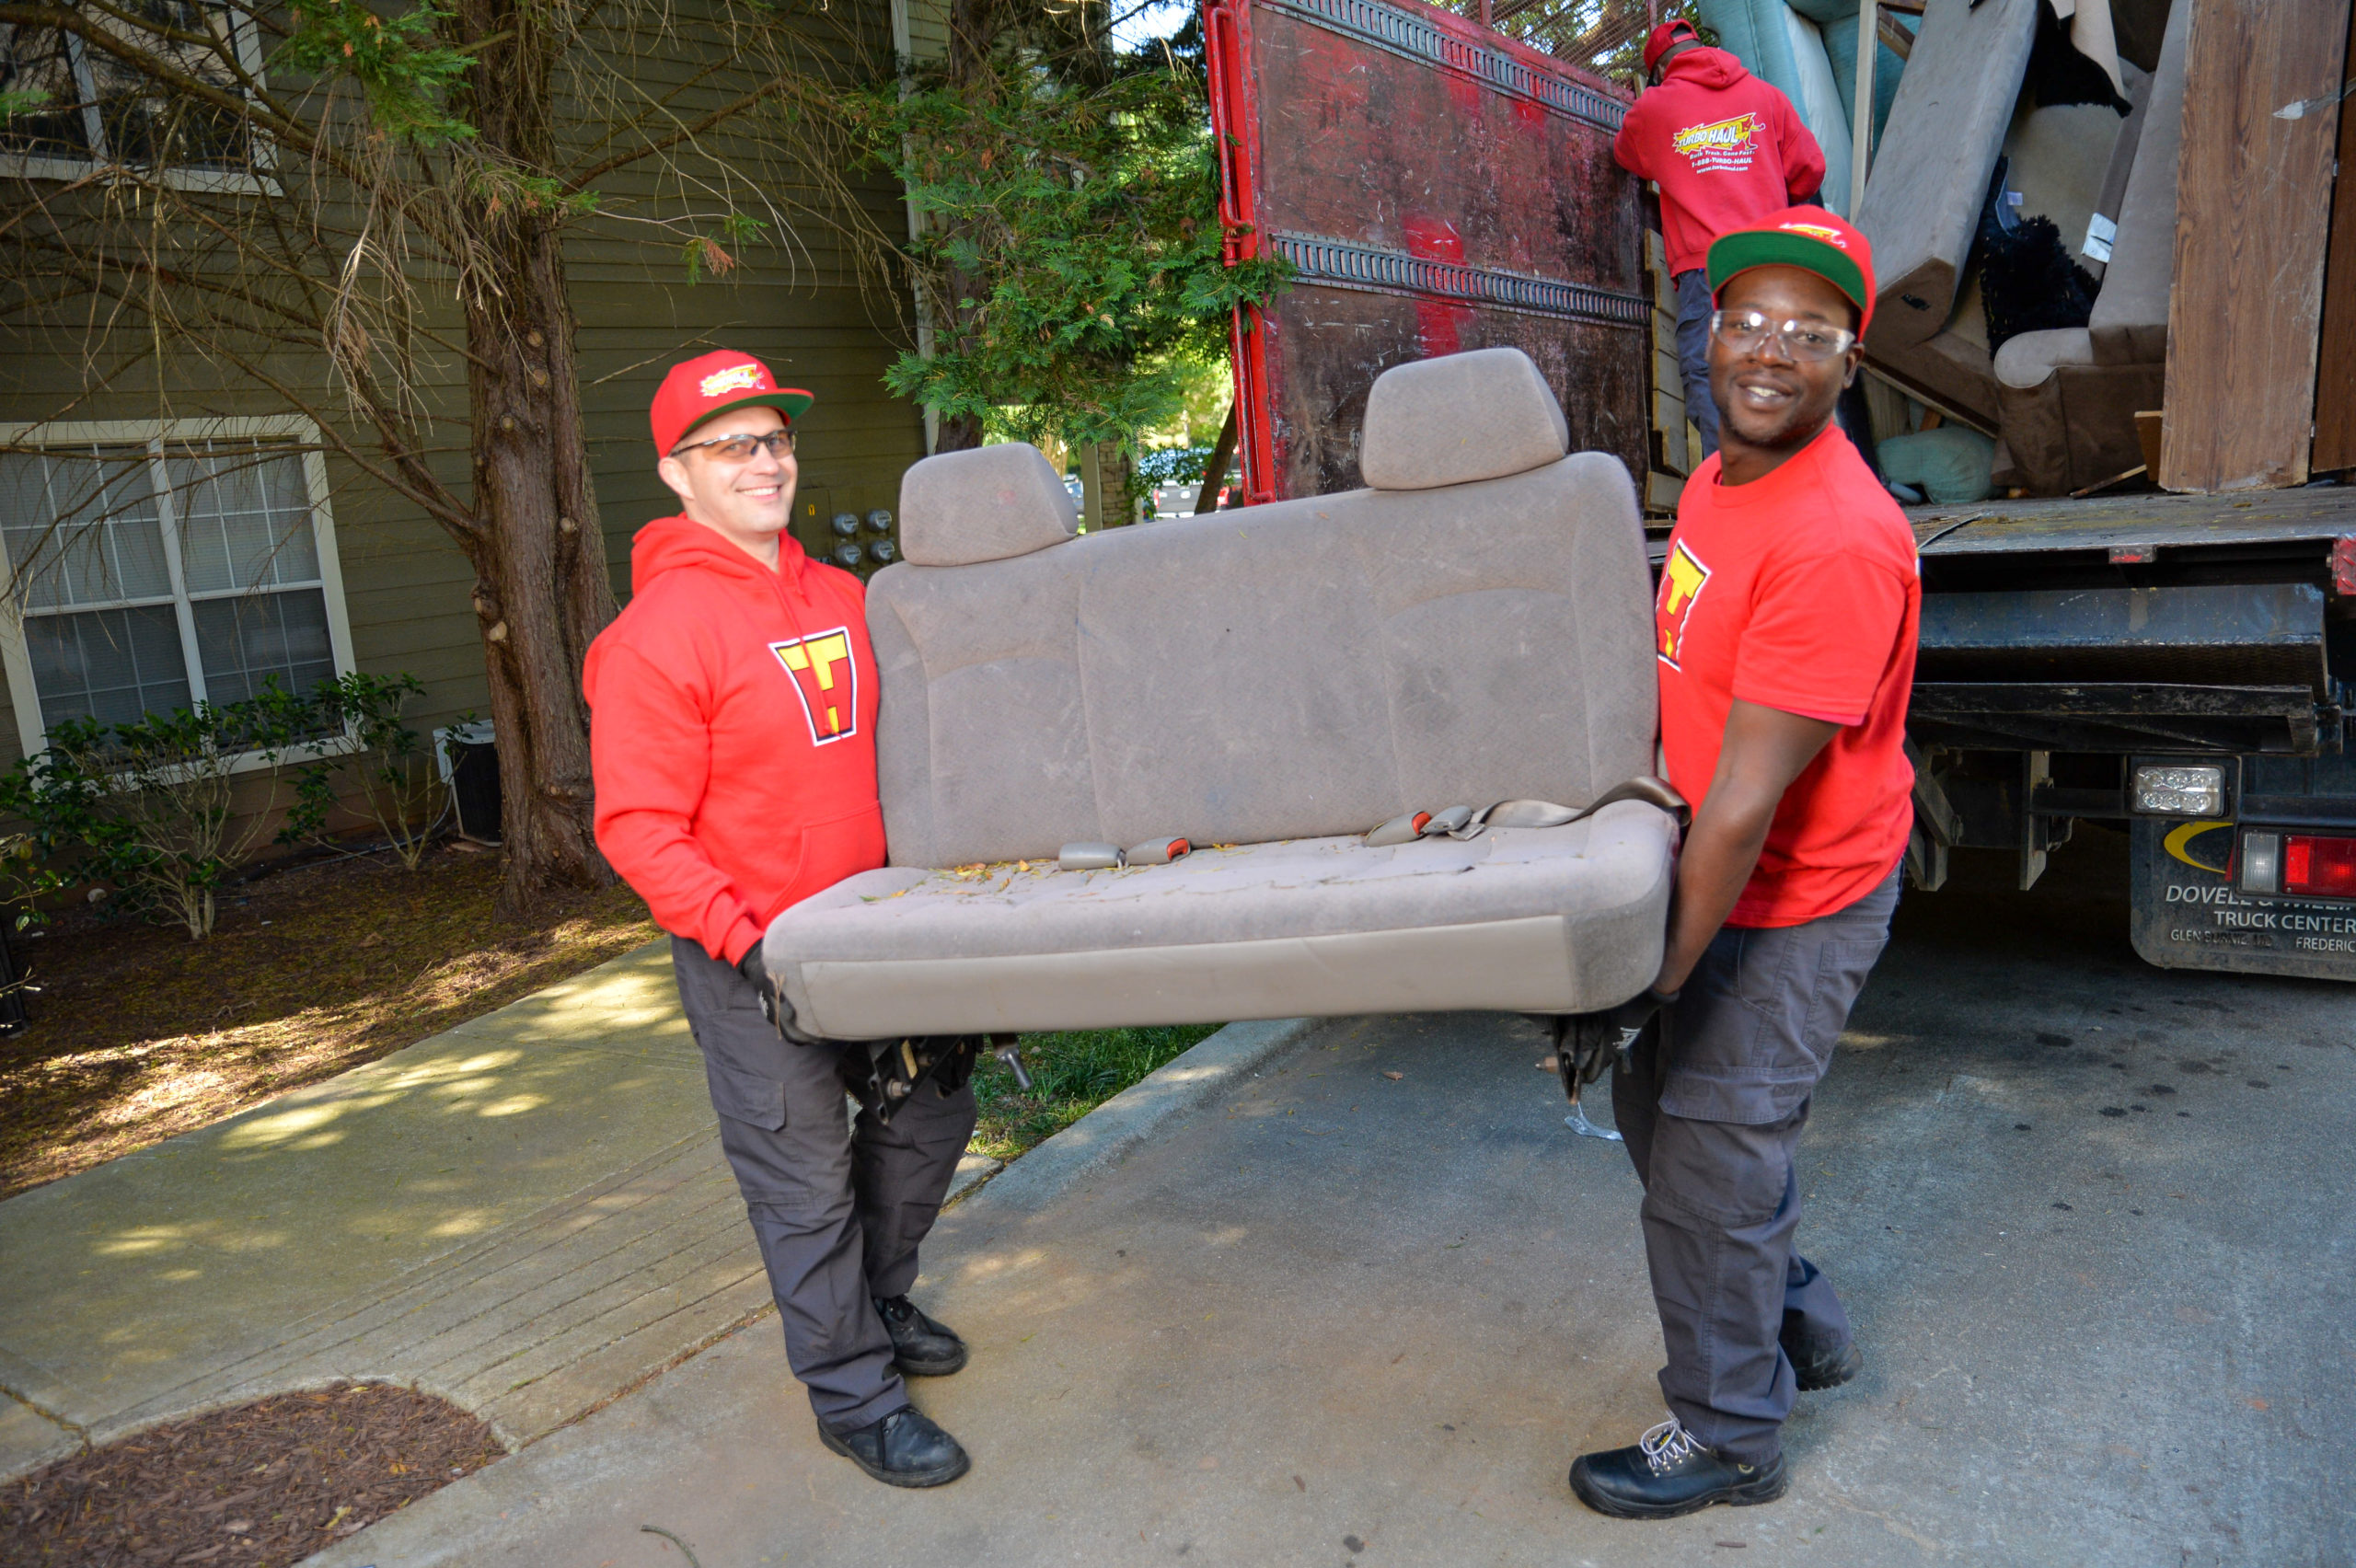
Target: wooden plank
2252 224
1669 409
2336 378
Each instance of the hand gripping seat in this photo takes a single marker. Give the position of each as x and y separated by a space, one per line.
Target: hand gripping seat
1269 684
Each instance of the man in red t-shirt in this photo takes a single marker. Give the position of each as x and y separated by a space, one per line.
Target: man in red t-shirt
1785 631
1726 149
731 735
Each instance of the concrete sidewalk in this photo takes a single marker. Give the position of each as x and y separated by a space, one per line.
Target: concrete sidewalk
1363 1308
527 1213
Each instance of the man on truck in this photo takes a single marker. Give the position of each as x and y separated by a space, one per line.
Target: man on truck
1726 149
732 738
1785 630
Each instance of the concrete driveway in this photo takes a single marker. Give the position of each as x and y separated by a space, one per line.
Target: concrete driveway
2091 1219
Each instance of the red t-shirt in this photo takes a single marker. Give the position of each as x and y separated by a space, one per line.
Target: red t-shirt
1726 148
1798 590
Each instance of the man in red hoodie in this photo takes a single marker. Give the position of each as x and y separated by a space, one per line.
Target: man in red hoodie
1726 149
733 723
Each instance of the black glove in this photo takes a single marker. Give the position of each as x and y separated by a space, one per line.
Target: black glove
1631 1018
757 974
1637 1010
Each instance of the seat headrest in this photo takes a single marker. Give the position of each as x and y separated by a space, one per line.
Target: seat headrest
986 505
1451 421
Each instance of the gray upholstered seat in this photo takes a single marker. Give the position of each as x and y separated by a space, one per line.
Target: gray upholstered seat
1273 682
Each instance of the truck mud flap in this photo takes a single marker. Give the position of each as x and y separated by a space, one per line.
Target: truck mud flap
2188 915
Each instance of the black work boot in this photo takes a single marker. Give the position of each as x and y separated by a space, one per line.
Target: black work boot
923 1347
1819 1364
1667 1473
905 1448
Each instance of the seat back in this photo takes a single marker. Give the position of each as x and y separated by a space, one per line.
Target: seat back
1301 669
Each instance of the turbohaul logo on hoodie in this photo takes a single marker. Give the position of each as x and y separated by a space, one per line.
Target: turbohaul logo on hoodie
826 677
1723 146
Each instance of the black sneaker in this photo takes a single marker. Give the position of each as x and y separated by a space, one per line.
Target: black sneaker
1820 1366
905 1448
923 1347
1667 1473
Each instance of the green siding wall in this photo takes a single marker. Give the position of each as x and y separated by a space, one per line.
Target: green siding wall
800 301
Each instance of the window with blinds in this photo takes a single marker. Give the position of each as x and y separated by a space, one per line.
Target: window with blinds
148 575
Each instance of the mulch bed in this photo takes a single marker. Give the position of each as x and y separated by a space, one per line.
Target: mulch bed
259 1485
139 1033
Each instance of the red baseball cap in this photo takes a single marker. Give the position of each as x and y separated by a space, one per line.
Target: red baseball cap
1657 44
711 385
1811 238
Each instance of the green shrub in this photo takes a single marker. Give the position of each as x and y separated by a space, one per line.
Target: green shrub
359 738
145 806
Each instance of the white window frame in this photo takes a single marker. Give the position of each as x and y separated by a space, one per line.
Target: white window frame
16 656
256 180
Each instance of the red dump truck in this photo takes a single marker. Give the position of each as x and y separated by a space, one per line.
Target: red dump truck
2179 666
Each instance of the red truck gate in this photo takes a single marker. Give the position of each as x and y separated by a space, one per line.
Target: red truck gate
1438 187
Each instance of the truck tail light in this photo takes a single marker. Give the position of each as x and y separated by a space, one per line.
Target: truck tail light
2195 790
2258 865
2314 864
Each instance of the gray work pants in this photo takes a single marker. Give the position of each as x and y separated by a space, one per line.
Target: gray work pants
1693 310
838 1207
1712 1115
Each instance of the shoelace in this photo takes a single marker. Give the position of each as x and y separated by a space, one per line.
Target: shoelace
1668 1446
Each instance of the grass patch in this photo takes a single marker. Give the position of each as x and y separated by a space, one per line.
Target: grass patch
1072 1074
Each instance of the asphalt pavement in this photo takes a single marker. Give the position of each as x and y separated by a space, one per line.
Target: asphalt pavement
1365 1304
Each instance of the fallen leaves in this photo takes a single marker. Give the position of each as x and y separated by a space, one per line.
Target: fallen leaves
333 965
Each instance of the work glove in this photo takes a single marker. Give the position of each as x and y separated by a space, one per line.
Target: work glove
1631 1017
774 1007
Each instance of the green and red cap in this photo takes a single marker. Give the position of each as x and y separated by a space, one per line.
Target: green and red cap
714 384
1811 238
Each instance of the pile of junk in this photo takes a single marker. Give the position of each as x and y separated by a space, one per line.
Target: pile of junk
2018 175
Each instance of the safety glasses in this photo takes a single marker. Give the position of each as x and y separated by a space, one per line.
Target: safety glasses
740 448
1747 332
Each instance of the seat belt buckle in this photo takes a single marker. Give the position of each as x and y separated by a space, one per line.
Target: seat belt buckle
1157 852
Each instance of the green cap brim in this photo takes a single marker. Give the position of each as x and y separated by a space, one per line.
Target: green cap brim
1742 251
785 400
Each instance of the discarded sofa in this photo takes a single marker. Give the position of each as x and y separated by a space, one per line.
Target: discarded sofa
1269 684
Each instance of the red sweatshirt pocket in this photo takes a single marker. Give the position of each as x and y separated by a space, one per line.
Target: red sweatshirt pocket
829 851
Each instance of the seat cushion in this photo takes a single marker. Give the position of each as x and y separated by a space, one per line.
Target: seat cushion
2129 325
1558 920
1930 178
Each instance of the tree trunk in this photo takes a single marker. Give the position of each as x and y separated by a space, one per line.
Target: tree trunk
541 590
959 432
1222 454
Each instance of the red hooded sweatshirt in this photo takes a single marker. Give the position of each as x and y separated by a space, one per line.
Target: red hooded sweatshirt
1725 148
732 733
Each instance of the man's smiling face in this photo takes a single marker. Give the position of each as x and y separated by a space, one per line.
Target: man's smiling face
750 502
1768 400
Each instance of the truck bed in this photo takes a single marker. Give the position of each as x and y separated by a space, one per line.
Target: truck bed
2298 520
